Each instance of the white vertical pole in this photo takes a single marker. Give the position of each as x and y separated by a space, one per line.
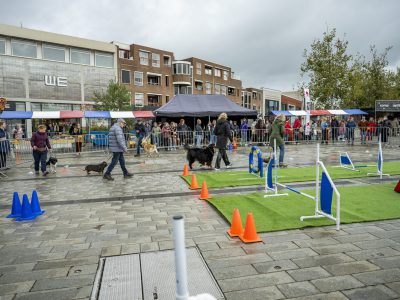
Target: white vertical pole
180 258
276 168
317 181
380 170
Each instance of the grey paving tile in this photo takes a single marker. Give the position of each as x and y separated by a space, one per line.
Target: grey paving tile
373 253
371 293
340 248
297 289
380 276
54 264
275 266
263 293
308 274
254 281
13 288
238 260
326 296
219 253
394 286
292 254
33 275
59 294
338 283
374 244
232 272
83 270
63 282
351 268
356 237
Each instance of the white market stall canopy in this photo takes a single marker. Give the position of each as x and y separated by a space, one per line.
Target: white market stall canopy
75 114
337 112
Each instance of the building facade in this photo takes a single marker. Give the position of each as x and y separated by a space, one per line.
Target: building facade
42 71
252 98
147 73
271 100
291 101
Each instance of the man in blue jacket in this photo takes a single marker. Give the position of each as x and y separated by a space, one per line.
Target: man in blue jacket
117 145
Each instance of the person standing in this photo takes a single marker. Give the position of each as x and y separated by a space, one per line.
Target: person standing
213 137
363 125
350 126
277 134
223 132
199 133
117 144
4 145
77 131
296 128
324 128
334 129
182 129
40 144
156 133
140 134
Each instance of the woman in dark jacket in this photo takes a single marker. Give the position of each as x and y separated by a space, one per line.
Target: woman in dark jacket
4 145
40 144
223 132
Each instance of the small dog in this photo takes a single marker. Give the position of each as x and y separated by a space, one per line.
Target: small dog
149 148
96 168
52 164
203 155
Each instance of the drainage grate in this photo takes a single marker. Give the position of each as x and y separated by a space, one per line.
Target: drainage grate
152 275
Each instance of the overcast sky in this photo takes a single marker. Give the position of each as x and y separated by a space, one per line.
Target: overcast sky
262 41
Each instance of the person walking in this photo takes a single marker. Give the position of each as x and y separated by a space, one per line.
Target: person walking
277 133
334 129
140 134
223 132
4 145
117 145
41 145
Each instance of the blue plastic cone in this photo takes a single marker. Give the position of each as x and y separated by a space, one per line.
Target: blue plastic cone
35 205
26 213
16 207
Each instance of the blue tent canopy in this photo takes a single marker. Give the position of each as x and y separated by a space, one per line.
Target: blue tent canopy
16 115
98 114
355 112
284 112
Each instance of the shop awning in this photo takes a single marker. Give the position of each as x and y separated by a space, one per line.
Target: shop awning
320 112
46 115
298 112
337 112
71 114
355 112
122 114
16 115
97 114
284 112
143 114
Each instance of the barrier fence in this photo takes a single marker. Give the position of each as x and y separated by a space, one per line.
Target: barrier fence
18 151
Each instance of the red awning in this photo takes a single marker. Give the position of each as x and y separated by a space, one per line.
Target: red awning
320 113
143 114
71 114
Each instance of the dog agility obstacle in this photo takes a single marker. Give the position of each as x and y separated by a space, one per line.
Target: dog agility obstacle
260 165
379 171
323 190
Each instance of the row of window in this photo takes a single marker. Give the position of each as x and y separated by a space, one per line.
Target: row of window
152 100
57 53
146 57
208 71
138 78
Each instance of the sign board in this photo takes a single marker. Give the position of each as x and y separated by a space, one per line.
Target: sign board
387 105
55 81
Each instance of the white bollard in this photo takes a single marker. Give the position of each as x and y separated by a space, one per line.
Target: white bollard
182 292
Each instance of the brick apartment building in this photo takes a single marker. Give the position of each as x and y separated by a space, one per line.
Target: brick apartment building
291 101
252 99
147 73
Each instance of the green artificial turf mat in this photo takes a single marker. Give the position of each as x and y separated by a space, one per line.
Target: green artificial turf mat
219 179
358 204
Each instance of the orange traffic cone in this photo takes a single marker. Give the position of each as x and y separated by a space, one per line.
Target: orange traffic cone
204 192
397 187
236 224
185 171
234 145
250 232
194 185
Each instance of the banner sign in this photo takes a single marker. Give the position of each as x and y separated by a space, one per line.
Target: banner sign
307 104
387 105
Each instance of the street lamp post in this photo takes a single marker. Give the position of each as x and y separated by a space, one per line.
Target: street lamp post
191 72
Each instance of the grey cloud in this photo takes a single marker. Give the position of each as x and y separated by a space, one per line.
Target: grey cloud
263 41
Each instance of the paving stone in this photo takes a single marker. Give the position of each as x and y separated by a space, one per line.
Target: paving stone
371 293
308 274
297 289
54 264
340 248
59 294
111 251
363 229
63 282
316 242
327 296
254 281
148 247
356 237
83 270
284 237
351 268
292 254
394 286
270 293
375 277
84 253
33 275
17 268
337 283
373 253
262 248
208 246
238 260
13 288
321 234
275 266
232 272
229 252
